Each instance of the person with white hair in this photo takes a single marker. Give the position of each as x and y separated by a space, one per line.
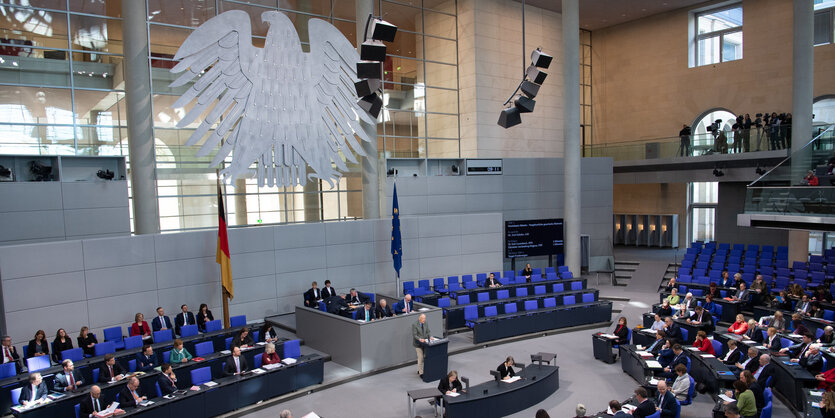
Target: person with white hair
828 335
285 414
580 411
812 359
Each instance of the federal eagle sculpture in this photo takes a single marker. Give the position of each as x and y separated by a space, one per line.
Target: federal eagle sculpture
278 107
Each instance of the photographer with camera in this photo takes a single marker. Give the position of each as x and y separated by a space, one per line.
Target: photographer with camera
684 135
746 133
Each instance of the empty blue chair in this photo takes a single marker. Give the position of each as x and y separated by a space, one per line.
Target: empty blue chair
684 333
16 396
133 342
697 292
132 365
509 274
483 296
105 348
235 321
549 302
201 375
74 354
567 275
829 315
39 363
408 287
530 305
291 349
443 302
588 297
578 285
228 341
166 356
203 349
767 409
568 300
114 334
438 284
213 326
259 358
8 370
682 289
163 336
562 269
558 287
510 308
521 292
470 285
491 311
480 278
256 336
539 290
95 374
188 330
463 299
424 284
717 347
470 314
159 391
786 342
818 333
452 284
549 270
503 294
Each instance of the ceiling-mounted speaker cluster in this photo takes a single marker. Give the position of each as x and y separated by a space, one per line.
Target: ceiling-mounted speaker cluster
529 87
370 66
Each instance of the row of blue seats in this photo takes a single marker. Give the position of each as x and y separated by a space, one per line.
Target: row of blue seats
114 334
518 292
767 272
714 246
736 264
468 282
766 257
778 284
471 311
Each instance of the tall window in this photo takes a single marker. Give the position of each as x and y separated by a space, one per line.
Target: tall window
718 35
703 198
824 14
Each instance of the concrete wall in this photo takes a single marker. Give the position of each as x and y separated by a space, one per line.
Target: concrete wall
490 67
529 188
654 199
731 203
104 282
643 87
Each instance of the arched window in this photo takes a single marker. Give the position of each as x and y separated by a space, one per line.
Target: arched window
702 136
824 110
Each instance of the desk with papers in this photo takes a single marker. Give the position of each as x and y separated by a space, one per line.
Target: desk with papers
637 363
499 399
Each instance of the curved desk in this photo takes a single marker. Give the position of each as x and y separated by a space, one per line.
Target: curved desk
502 399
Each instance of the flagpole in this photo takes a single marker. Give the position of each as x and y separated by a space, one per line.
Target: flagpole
224 293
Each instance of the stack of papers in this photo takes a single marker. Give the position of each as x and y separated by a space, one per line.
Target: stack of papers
210 383
225 352
453 394
644 353
628 407
816 393
726 398
612 336
258 371
816 404
649 331
272 366
652 364
261 343
512 379
795 336
653 381
288 361
761 347
692 348
708 356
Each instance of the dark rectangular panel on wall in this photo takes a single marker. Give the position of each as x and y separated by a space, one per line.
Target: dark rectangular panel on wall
731 203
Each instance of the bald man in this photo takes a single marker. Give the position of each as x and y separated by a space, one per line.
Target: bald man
95 403
404 306
665 401
130 395
420 336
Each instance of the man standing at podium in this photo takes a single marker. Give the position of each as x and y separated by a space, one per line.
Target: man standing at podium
420 334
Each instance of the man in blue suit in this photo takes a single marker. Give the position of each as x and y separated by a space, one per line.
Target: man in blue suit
161 322
665 401
404 306
678 358
35 391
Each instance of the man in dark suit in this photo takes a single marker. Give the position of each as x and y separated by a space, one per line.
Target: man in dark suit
146 360
659 343
673 331
678 358
687 304
94 403
772 341
491 281
356 299
420 336
382 310
161 321
235 364
765 371
131 394
183 318
404 306
798 350
743 295
733 355
366 313
328 291
9 353
338 306
754 333
35 392
68 380
645 406
666 401
812 360
803 306
751 362
167 380
702 318
312 296
110 370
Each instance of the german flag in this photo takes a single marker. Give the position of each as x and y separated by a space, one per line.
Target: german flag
223 257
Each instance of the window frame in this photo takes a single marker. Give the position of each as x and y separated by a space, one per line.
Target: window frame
697 37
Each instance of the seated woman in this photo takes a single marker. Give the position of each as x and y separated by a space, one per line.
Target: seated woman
681 386
243 339
739 327
674 299
527 272
140 327
450 384
87 341
62 342
179 354
828 335
622 331
709 305
777 321
268 333
826 380
703 343
658 323
204 315
38 345
822 294
782 301
665 310
270 356
796 291
713 290
506 369
797 324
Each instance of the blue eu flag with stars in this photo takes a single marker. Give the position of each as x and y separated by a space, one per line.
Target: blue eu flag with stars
396 244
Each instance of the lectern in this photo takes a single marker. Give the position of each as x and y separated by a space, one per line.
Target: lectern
435 359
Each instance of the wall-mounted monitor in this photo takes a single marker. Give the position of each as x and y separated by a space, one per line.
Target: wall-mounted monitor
533 238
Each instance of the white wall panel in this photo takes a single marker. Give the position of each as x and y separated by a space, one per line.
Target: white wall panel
51 289
40 259
115 281
122 251
189 271
16 226
21 325
115 310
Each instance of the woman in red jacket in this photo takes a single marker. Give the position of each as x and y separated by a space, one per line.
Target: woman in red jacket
622 331
703 343
740 327
140 327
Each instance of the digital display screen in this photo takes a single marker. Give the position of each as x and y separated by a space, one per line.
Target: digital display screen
533 237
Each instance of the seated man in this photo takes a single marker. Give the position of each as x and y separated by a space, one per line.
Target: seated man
9 353
235 364
35 392
146 360
491 281
68 380
678 358
687 304
673 331
404 306
111 371
161 321
659 343
337 305
167 379
131 394
798 350
382 310
733 355
183 318
95 403
312 296
742 294
764 371
750 362
356 299
702 318
366 313
812 360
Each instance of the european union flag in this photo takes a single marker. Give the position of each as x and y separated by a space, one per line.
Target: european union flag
396 244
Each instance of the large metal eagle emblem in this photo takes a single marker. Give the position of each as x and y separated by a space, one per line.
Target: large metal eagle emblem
277 106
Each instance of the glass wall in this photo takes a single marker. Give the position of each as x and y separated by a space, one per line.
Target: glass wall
703 199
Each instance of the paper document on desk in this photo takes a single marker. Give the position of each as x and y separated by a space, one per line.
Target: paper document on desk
693 348
726 398
649 331
110 409
816 404
644 353
708 356
512 379
225 352
749 342
628 407
795 336
761 347
612 336
311 415
816 393
653 381
258 371
423 309
453 394
272 366
652 364
288 361
210 383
